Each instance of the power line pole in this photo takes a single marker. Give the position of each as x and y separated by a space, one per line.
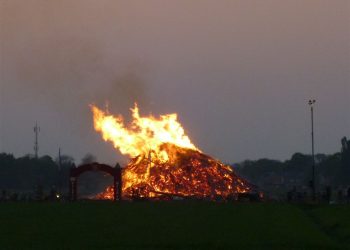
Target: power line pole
36 140
313 184
59 170
59 159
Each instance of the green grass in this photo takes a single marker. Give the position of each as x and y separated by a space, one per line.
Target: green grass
172 225
335 221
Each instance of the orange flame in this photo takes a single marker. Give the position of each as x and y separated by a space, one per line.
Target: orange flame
164 160
145 134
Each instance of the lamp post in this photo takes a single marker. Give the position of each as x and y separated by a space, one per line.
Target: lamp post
313 182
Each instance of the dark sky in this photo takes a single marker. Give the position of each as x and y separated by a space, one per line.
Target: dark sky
238 73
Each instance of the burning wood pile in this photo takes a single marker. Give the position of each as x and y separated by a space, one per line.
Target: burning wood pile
164 163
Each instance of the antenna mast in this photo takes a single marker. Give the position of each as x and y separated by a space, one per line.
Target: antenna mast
36 141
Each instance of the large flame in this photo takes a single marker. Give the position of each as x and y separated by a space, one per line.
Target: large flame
145 134
164 160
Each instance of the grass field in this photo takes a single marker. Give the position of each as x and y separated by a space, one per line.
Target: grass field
173 225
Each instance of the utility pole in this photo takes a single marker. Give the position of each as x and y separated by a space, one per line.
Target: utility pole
59 160
313 182
59 171
36 141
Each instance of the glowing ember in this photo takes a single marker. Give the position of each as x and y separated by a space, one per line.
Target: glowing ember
164 162
108 194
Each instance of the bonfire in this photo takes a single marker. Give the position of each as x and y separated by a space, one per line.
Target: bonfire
164 163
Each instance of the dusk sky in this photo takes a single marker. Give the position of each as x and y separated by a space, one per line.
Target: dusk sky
238 73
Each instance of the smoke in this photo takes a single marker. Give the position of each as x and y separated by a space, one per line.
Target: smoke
52 68
128 87
221 65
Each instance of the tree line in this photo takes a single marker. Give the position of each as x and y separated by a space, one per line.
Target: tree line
27 173
278 177
29 176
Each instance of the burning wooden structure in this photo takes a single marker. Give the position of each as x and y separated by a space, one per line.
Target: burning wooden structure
164 162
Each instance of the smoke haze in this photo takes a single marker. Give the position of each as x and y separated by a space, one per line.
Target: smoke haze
238 73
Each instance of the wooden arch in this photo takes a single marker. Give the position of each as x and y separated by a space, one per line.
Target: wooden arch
75 172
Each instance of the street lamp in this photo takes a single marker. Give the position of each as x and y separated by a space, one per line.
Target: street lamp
313 182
